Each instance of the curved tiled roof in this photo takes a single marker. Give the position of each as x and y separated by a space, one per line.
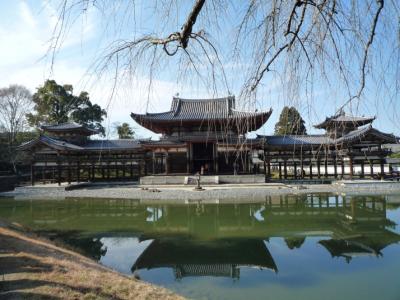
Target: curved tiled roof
50 142
343 119
90 145
297 140
358 134
200 109
123 144
69 126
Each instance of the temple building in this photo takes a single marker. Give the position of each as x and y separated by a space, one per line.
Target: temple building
349 147
65 153
209 136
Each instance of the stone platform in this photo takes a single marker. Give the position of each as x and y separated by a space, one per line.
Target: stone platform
369 184
204 180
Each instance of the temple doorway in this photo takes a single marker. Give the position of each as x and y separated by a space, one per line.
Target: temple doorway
203 157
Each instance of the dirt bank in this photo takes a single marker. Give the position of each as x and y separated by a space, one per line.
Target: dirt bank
34 268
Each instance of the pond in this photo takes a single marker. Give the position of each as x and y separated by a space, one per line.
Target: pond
283 247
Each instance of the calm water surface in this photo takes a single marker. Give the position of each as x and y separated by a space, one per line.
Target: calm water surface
285 247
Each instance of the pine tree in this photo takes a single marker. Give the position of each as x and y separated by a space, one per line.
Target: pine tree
125 131
290 123
55 104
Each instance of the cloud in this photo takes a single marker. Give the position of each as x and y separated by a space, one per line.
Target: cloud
26 14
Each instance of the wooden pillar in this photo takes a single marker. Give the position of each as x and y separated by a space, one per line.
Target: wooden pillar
123 171
342 165
191 158
58 170
326 167
216 167
108 170
268 165
362 169
244 160
103 175
319 168
93 171
382 162
351 167
311 171
285 169
33 173
131 170
335 166
166 163
301 167
154 162
44 174
295 170
188 158
78 171
371 168
140 168
265 165
69 172
280 170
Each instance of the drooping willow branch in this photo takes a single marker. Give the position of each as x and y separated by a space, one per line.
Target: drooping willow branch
301 42
365 54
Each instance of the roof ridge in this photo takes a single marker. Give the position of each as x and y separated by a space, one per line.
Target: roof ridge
149 114
221 99
249 111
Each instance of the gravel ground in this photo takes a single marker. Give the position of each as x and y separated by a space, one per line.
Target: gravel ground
187 194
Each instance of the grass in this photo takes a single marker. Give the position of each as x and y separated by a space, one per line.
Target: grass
34 268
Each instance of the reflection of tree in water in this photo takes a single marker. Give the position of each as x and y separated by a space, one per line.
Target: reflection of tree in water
88 246
294 242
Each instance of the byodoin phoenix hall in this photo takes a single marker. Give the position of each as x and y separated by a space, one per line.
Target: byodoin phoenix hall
209 137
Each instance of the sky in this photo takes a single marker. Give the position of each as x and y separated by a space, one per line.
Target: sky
26 30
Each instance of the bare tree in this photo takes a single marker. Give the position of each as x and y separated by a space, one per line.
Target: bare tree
300 42
15 103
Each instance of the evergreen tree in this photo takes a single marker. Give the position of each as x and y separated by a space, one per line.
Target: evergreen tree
290 122
124 131
55 104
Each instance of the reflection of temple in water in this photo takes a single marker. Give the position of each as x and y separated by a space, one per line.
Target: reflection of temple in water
356 226
200 239
205 258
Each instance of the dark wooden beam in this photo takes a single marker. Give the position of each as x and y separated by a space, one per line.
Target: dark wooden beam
78 171
351 167
371 168
342 166
167 163
382 162
154 162
58 170
301 167
362 169
33 173
285 169
69 172
335 167
265 165
326 167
